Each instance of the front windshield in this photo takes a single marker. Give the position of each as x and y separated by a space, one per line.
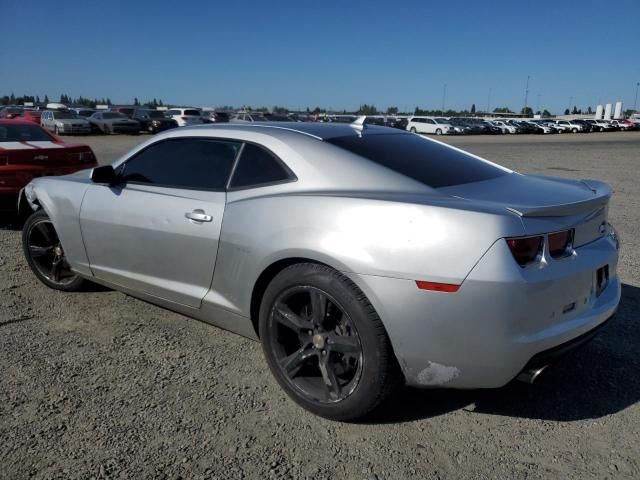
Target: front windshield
154 114
64 115
113 115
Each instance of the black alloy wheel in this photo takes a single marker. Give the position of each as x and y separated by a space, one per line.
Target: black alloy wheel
45 255
325 344
315 344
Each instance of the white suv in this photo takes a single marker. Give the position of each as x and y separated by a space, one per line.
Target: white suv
185 116
429 125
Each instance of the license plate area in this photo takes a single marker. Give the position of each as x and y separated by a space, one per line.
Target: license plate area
601 279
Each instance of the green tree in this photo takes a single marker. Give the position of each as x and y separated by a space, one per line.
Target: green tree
136 102
546 113
574 111
528 111
566 112
367 110
589 111
473 108
502 110
392 111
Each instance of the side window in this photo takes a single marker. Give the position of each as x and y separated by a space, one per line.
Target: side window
257 166
193 163
429 121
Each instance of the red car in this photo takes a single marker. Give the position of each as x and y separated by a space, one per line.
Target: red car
30 116
28 151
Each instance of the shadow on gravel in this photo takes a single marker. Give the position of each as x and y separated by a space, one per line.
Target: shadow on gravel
10 222
599 379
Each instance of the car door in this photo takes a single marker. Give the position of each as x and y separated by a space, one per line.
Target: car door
157 230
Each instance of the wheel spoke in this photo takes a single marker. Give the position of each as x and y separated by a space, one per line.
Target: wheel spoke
55 269
343 344
294 362
42 227
37 251
329 378
318 306
286 317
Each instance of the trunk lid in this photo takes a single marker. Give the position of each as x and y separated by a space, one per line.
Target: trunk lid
544 204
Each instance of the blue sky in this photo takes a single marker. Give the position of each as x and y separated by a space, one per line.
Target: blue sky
336 54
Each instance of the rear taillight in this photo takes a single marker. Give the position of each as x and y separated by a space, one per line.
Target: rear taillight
185 118
526 249
560 243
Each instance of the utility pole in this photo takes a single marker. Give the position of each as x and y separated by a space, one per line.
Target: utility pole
635 102
444 97
526 93
489 101
538 103
570 102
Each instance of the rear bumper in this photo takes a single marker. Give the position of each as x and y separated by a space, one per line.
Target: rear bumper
502 316
75 130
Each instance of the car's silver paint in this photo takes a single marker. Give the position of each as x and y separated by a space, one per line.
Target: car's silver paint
382 229
139 237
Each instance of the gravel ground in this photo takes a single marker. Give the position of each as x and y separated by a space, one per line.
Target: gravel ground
100 385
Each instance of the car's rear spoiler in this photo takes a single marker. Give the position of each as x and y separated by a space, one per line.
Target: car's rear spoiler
601 195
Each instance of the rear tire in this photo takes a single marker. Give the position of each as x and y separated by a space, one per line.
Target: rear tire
316 322
56 130
438 131
106 129
45 255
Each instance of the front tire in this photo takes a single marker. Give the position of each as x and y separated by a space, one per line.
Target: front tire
413 130
438 131
325 344
45 255
56 130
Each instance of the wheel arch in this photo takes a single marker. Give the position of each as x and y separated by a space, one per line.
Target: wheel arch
263 281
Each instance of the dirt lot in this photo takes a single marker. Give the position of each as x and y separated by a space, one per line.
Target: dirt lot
100 385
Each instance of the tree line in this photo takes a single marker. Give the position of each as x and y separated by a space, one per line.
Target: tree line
68 100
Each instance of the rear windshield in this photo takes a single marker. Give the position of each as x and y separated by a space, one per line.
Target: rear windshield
192 112
23 133
431 163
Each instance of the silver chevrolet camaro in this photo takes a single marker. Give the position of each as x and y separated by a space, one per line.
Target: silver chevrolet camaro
362 257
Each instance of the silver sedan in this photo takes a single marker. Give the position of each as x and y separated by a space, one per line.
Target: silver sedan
361 257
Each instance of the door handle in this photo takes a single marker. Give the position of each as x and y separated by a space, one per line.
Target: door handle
198 215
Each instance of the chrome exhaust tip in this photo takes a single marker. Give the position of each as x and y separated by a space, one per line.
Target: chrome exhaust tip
529 376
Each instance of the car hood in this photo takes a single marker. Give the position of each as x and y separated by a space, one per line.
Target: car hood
535 195
70 121
119 120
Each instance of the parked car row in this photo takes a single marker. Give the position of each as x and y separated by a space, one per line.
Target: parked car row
468 126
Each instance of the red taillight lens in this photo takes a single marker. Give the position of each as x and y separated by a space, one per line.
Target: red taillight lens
525 249
560 242
437 287
185 118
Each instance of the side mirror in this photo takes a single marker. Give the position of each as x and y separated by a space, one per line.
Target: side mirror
105 174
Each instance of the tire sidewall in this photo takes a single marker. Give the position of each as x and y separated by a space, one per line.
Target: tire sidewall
368 387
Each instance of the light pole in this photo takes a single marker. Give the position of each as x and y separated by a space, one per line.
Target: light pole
635 102
538 103
444 96
489 101
526 93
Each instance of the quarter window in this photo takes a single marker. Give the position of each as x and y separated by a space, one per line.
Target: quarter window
192 163
257 166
